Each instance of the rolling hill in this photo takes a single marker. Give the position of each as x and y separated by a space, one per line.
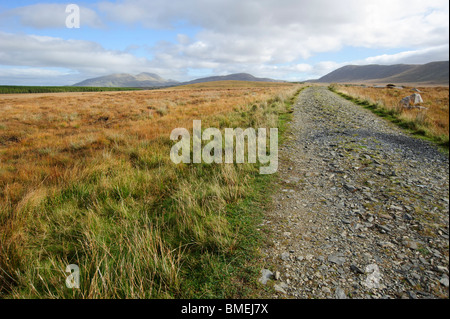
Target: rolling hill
154 80
127 80
232 77
431 73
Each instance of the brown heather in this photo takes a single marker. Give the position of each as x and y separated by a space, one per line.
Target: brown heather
86 178
434 121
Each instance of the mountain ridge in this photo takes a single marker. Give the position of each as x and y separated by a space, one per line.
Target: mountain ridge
429 73
231 77
143 79
146 79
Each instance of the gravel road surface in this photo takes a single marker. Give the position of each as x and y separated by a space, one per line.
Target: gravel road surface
362 211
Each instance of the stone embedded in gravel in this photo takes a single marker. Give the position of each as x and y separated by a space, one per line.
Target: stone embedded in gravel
442 269
326 290
383 229
340 293
396 208
386 244
412 295
444 281
281 287
374 276
285 256
277 275
336 259
386 216
356 269
407 216
350 188
411 244
266 275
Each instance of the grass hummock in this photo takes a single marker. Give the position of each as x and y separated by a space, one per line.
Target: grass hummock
104 195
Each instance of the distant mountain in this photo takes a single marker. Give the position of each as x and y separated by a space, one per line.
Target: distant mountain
127 80
433 73
430 73
154 80
232 77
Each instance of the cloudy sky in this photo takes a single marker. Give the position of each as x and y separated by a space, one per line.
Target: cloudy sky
187 39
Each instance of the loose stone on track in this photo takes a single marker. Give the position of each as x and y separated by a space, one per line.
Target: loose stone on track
367 211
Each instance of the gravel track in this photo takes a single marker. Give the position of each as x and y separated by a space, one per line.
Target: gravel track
362 211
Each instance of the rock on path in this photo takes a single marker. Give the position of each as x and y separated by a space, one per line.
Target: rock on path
362 210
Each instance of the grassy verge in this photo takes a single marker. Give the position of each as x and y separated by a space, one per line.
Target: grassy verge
139 226
234 276
417 126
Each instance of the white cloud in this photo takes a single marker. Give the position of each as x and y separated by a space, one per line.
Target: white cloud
265 31
264 37
263 34
439 53
31 72
38 76
83 56
50 15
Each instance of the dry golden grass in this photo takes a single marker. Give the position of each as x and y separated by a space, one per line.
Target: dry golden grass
45 137
230 84
86 178
436 99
